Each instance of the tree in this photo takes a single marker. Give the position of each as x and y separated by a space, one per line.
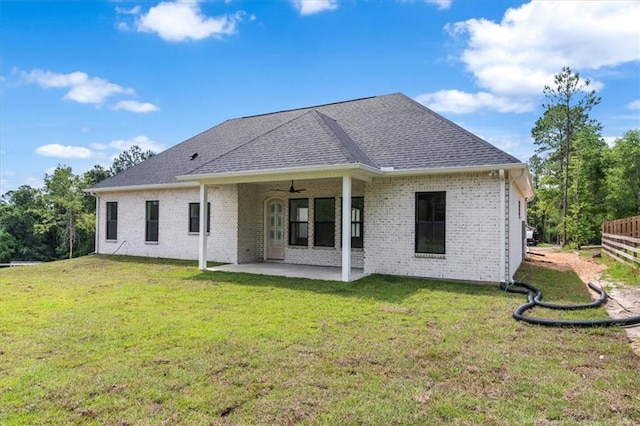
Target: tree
7 246
21 213
90 178
65 214
129 158
566 115
587 192
623 177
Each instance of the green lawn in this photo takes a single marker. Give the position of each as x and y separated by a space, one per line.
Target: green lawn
121 341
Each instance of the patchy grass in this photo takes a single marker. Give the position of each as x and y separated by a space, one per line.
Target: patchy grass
114 340
620 272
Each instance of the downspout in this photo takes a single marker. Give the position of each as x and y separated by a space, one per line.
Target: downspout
503 236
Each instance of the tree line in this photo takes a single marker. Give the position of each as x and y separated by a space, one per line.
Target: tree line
56 221
579 180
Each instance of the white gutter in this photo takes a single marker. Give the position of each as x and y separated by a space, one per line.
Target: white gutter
503 239
445 170
150 187
525 178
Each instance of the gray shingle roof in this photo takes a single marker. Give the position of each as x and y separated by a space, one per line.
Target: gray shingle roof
383 131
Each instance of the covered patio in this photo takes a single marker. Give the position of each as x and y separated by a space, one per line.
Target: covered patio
325 273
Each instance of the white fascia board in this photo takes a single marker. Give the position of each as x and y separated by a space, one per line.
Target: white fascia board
359 171
153 187
523 179
389 171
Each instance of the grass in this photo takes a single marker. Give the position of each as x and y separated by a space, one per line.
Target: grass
125 341
620 272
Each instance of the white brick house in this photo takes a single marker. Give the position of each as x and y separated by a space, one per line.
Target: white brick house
421 196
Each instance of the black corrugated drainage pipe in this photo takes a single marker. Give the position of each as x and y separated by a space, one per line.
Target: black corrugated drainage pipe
534 298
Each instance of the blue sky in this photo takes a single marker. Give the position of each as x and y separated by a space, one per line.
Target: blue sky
81 81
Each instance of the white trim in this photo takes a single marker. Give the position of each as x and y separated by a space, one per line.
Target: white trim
503 224
177 185
360 171
202 238
265 232
346 228
97 238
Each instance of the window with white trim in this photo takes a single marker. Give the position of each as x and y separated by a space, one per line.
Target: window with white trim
430 222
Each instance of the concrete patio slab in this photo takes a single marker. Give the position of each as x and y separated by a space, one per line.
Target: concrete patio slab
326 273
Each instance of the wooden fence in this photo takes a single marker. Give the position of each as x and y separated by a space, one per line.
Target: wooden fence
621 239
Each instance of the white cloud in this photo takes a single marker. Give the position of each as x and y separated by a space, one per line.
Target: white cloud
82 88
144 142
135 106
34 182
99 146
310 7
610 140
442 4
180 21
64 151
4 184
124 11
634 105
458 102
97 149
518 56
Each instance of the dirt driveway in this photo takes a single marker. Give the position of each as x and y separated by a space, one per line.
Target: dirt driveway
624 300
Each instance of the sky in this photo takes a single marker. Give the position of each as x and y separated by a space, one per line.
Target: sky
82 81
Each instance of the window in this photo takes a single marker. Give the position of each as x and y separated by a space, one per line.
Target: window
194 217
112 220
324 223
151 230
357 221
298 221
430 222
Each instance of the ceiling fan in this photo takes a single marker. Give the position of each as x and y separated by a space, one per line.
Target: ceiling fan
291 189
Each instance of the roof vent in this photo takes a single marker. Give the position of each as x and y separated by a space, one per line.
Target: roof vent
193 156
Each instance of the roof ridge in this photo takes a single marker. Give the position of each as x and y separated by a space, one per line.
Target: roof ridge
246 143
311 107
347 145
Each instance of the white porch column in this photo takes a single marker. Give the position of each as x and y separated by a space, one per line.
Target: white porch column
202 251
97 242
346 228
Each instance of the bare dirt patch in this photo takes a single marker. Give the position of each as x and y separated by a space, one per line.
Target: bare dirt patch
624 300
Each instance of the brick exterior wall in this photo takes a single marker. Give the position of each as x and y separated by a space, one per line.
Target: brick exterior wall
472 238
517 241
174 239
238 225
